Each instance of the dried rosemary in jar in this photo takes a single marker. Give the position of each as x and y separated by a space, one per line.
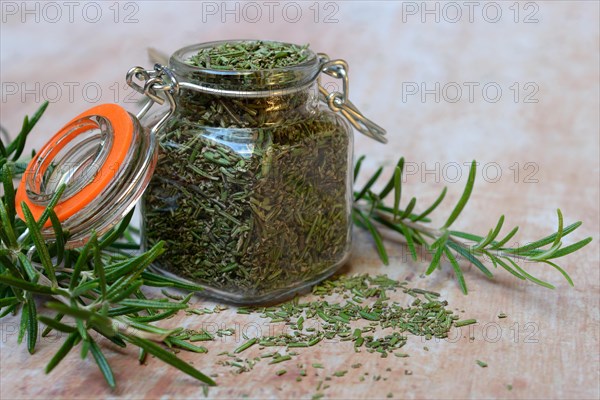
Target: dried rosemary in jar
252 189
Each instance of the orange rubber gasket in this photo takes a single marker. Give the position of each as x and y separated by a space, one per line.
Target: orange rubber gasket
122 127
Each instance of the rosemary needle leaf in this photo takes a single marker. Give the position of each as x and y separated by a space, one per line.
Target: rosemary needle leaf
411 205
357 166
102 363
152 329
504 265
9 236
436 203
562 271
62 351
528 276
138 264
23 324
79 264
84 288
32 324
469 256
169 358
368 185
114 234
3 152
153 304
142 356
502 242
485 241
466 235
115 339
571 248
56 325
59 238
435 261
543 255
376 236
155 317
85 348
559 233
51 204
457 271
9 309
40 245
16 272
408 234
119 296
465 196
4 239
177 283
496 230
19 144
32 274
544 241
8 301
397 192
392 182
9 195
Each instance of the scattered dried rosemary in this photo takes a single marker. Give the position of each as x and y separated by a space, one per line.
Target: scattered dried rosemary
250 194
355 309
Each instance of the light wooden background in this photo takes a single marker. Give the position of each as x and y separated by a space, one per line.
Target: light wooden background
546 151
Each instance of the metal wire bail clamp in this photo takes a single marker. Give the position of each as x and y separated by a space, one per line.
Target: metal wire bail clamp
339 102
158 81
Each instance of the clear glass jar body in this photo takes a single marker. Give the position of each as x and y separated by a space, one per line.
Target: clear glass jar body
252 192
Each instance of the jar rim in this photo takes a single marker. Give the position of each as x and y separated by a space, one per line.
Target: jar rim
293 76
180 56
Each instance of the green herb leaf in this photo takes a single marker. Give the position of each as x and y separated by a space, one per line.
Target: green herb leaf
465 196
457 270
66 347
32 324
40 245
102 363
169 358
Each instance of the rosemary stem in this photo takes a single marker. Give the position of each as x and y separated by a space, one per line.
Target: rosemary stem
437 233
46 282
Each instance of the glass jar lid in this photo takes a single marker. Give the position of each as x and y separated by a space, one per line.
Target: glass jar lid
104 158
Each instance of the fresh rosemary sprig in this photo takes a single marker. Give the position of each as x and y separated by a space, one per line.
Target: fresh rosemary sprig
92 289
372 213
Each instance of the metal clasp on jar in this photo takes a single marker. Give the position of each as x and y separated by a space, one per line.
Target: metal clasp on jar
158 81
339 102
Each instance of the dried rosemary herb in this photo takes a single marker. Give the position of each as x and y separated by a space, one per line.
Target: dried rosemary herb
250 55
361 309
251 195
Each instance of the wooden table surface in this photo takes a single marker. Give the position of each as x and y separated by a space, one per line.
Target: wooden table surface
537 144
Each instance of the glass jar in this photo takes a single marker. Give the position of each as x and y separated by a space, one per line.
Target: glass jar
247 176
252 191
